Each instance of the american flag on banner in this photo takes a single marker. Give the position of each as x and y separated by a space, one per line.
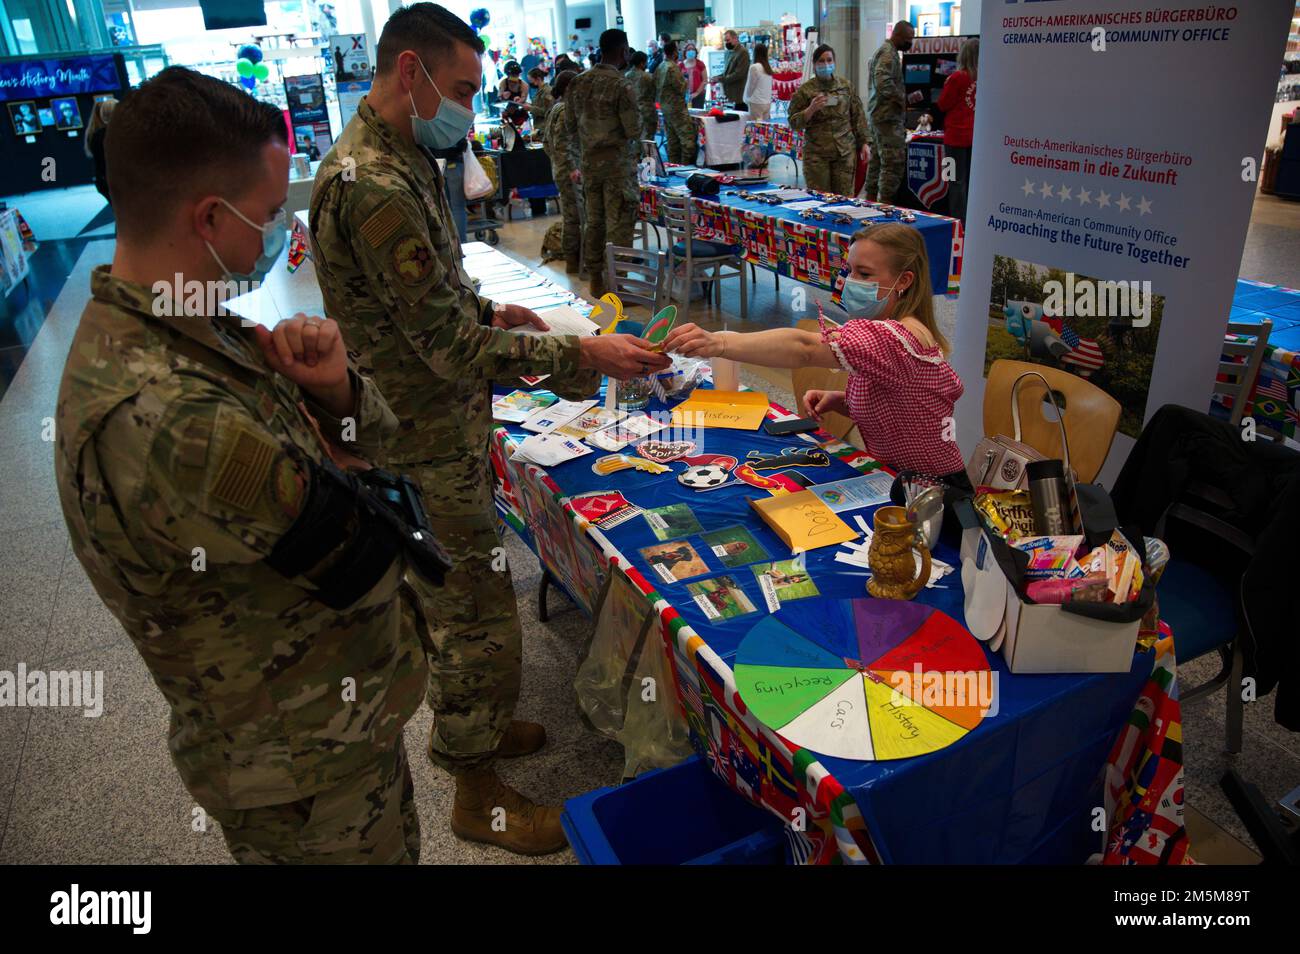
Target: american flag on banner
1084 353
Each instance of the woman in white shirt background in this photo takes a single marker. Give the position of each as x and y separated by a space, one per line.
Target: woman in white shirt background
758 87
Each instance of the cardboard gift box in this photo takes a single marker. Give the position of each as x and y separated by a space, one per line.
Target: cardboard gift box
1074 636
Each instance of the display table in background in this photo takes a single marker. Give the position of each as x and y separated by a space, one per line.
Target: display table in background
1275 402
722 139
806 250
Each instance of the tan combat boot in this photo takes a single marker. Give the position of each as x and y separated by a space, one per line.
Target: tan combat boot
488 810
520 738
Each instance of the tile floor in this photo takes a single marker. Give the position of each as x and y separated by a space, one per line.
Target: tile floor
80 790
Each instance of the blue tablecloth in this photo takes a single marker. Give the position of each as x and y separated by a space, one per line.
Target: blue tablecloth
1021 787
938 231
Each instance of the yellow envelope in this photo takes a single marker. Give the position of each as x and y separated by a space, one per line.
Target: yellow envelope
741 410
803 521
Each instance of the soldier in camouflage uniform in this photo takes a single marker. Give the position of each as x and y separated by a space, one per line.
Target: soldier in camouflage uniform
389 265
886 112
601 112
562 148
679 127
643 86
542 104
188 467
828 112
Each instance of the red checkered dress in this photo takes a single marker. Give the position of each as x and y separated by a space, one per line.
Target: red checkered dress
900 394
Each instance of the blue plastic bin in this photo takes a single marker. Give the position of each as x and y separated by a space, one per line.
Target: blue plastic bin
676 816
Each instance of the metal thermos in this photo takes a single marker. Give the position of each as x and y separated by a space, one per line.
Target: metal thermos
1047 496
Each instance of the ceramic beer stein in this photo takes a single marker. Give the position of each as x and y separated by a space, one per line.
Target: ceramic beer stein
894 574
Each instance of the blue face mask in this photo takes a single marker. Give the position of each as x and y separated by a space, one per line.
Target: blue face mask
274 234
448 126
825 70
690 54
862 299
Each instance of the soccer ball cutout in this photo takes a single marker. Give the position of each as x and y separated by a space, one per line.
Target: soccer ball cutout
703 476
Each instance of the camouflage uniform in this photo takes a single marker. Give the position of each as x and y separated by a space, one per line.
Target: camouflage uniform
886 110
679 127
643 84
543 104
600 111
389 265
174 435
834 135
562 148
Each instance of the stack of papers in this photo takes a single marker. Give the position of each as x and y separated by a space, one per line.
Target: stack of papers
547 419
855 554
517 406
563 320
803 204
547 450
790 195
853 211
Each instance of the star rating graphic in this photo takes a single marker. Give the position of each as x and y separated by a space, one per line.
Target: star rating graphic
1063 193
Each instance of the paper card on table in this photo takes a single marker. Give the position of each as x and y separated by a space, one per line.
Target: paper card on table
672 521
516 406
803 205
803 521
563 320
674 561
588 422
606 509
641 425
547 419
721 598
783 581
853 211
532 380
790 194
734 546
494 287
855 492
547 450
741 410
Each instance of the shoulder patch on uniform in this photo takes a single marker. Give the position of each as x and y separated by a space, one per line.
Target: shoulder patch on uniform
412 260
244 471
381 225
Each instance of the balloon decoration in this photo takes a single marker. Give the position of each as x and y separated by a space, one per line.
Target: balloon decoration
250 67
487 41
479 18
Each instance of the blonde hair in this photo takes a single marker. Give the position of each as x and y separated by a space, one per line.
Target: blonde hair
906 250
968 57
99 117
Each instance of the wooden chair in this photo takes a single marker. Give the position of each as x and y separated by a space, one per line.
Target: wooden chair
1242 376
637 276
823 379
1091 415
693 260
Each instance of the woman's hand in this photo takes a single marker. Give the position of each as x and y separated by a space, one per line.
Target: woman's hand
817 103
692 341
820 403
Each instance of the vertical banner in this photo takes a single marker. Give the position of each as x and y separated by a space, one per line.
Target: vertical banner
308 115
353 70
1117 145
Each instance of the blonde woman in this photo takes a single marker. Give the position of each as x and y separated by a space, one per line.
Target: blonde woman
901 390
94 145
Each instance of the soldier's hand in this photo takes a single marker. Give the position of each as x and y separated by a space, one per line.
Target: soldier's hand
309 351
692 341
817 103
915 96
865 152
511 316
622 356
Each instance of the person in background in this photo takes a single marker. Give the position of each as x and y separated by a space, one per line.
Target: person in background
657 53
957 100
901 390
562 149
697 77
543 100
601 113
886 114
512 88
679 128
758 86
95 132
643 85
736 73
565 62
827 110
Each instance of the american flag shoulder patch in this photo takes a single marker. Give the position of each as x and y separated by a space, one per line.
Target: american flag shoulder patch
381 225
244 471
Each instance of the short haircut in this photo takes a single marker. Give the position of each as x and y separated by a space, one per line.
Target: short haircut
428 29
611 42
903 25
181 136
639 58
537 73
670 50
731 33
